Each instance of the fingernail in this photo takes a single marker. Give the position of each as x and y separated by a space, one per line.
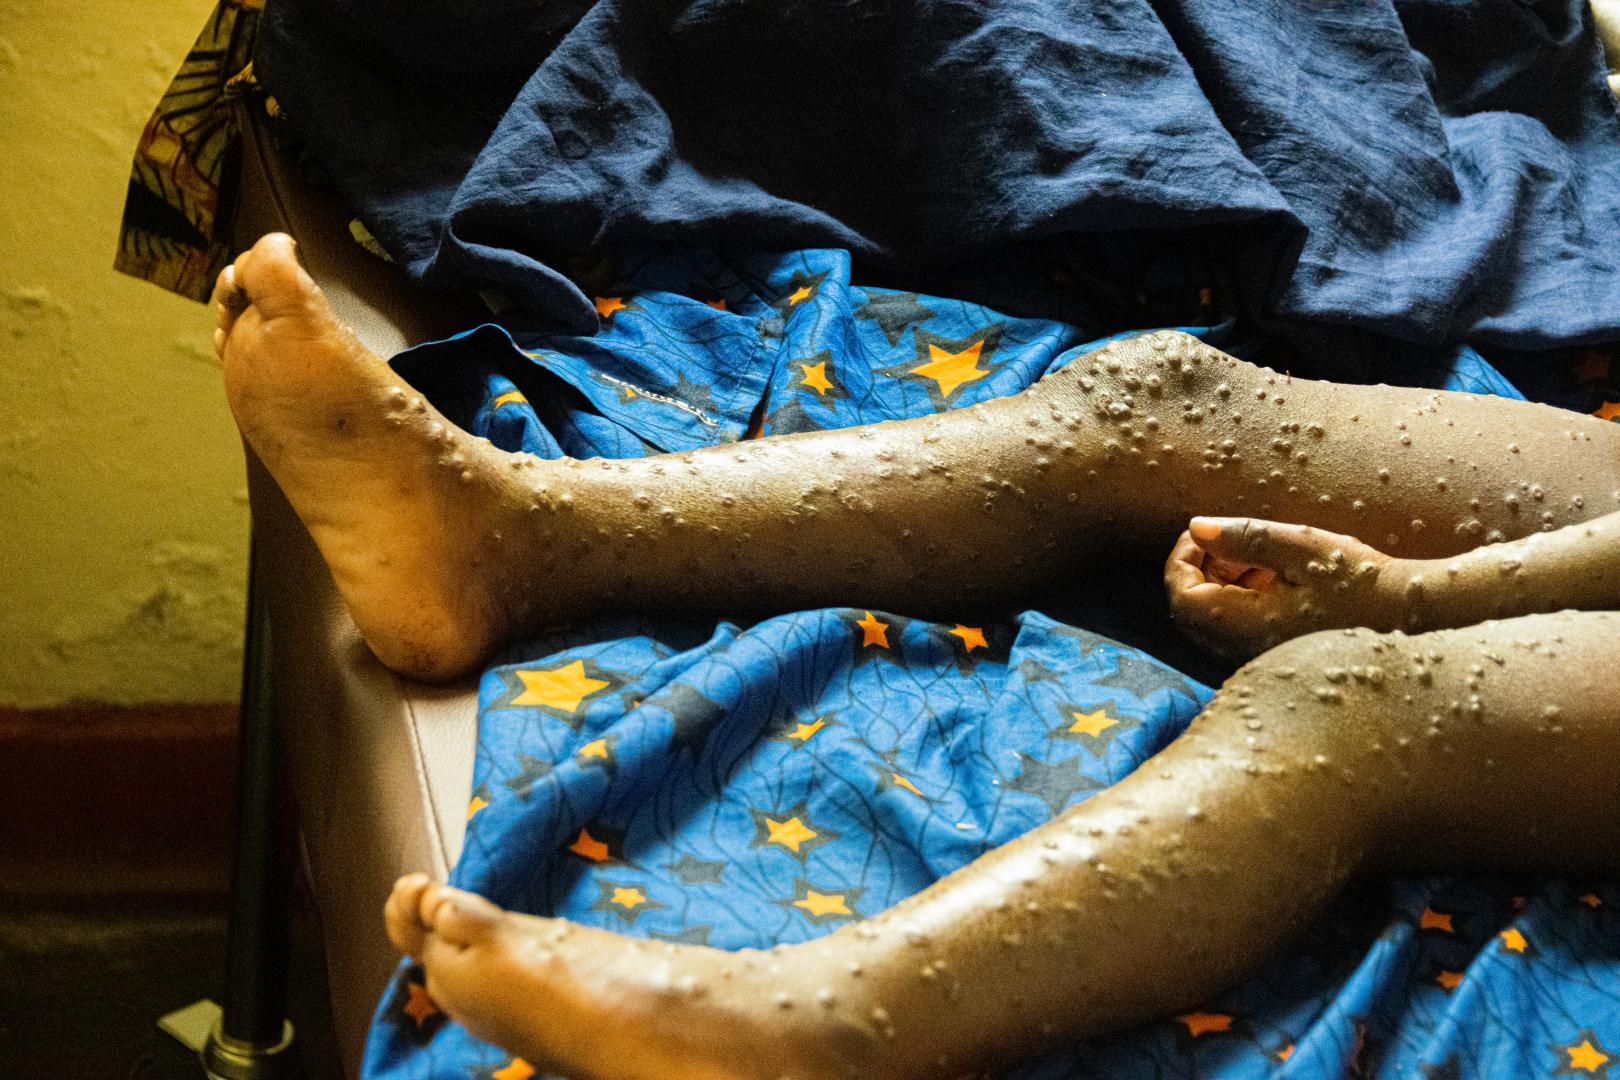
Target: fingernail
1203 528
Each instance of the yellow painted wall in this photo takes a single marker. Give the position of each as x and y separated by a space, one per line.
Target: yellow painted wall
123 508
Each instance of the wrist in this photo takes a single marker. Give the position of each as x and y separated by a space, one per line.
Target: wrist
1409 594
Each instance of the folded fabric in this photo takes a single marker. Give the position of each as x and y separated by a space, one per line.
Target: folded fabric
1430 170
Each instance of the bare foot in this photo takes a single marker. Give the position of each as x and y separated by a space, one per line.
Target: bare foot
593 1005
1239 586
401 503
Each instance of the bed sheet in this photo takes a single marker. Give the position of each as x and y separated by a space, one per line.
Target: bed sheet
746 784
1434 170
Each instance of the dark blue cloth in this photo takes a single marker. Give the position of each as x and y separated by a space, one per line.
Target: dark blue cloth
1430 170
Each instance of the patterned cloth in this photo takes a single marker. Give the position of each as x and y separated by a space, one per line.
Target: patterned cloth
182 188
743 785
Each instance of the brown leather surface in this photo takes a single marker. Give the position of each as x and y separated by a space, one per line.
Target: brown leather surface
381 766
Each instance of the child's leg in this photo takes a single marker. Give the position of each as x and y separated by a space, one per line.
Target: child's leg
1492 745
444 547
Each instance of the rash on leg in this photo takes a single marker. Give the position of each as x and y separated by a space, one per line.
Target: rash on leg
1333 753
969 508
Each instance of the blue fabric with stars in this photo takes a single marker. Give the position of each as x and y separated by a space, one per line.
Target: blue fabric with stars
744 785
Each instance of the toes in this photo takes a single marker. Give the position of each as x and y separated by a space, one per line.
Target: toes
229 302
455 921
226 291
272 278
424 917
401 914
457 917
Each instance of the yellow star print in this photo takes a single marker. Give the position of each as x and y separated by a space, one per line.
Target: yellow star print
1586 1057
804 732
511 397
1449 980
874 631
1513 941
900 781
790 833
628 898
420 1006
972 637
606 306
596 748
950 370
477 804
1093 724
1435 920
517 1070
559 688
800 295
815 377
1609 410
1199 1023
822 904
587 846
1591 900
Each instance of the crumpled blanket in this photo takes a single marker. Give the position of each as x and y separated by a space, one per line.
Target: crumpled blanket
743 785
1429 170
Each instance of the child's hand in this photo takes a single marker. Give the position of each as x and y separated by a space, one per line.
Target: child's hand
1238 586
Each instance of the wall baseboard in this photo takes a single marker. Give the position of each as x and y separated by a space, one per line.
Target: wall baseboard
101 800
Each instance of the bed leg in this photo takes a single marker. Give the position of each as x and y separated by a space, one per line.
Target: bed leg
248 1037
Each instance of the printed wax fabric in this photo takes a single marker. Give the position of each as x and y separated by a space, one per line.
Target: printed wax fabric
176 228
741 785
1431 170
